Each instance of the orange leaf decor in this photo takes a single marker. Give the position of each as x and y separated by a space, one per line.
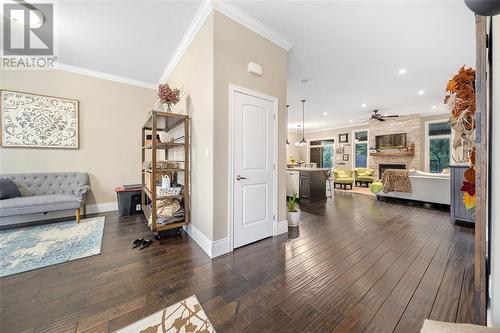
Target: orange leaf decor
472 156
461 101
469 200
451 86
470 175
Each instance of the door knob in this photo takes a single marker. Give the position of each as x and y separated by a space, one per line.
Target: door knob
238 177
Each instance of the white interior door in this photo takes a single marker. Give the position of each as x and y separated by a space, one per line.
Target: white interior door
253 168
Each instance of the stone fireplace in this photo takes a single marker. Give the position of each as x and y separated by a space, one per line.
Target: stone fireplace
411 125
382 167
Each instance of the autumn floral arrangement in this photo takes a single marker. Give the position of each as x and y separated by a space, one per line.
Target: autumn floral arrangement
461 102
168 95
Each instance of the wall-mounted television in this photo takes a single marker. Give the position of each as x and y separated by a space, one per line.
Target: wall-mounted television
390 141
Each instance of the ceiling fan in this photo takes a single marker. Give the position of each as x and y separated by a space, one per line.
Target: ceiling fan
379 117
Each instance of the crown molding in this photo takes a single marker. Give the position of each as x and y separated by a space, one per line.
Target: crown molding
199 18
252 23
230 11
102 75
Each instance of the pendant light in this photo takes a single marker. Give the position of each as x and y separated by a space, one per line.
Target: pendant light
287 142
303 141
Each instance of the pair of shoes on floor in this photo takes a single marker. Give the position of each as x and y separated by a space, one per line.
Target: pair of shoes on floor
142 243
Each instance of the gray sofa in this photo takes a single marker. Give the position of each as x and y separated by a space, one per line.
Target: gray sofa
46 192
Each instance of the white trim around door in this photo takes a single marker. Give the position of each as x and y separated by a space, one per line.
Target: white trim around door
277 227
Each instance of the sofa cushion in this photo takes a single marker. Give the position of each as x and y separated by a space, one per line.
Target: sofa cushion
37 204
8 189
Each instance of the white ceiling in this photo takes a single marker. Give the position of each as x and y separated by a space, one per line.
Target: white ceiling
130 39
351 53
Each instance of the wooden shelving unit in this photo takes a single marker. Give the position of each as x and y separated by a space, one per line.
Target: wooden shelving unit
164 122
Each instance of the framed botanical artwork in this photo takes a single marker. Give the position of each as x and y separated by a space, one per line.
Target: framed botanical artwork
340 149
344 137
345 157
38 121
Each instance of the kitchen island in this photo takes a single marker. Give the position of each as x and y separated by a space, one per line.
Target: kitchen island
309 183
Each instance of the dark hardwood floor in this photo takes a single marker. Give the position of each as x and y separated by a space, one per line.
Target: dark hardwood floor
354 265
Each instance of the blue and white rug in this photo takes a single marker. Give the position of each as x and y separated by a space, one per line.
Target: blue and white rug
29 248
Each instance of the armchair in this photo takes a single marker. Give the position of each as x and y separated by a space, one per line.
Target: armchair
343 178
363 176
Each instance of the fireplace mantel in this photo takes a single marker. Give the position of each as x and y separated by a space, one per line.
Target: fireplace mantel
394 153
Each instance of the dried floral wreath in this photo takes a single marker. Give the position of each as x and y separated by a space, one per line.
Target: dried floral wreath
461 101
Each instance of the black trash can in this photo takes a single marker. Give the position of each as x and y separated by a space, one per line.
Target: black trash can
129 200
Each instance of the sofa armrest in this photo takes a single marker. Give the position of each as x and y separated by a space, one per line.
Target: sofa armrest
81 192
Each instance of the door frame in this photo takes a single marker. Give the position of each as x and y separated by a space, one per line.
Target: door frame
233 89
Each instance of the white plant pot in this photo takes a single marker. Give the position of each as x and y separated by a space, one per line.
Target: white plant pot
293 218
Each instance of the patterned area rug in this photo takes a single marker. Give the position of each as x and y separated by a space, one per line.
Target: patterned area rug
185 316
29 248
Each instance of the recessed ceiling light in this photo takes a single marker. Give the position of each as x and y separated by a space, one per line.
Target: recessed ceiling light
363 105
350 120
325 113
421 92
402 71
434 107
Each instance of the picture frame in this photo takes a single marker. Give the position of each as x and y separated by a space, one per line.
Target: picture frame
340 150
31 120
345 157
344 137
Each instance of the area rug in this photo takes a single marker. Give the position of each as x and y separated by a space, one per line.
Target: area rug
357 190
184 316
29 248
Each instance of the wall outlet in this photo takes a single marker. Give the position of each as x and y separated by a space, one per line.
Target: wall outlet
205 152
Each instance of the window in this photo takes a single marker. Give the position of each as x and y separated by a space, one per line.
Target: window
360 149
438 146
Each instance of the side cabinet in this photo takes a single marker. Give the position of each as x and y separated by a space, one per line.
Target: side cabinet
457 206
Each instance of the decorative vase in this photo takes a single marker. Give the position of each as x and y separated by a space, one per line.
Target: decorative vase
167 107
293 218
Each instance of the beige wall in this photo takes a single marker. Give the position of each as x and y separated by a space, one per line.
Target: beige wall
111 116
218 56
196 72
235 47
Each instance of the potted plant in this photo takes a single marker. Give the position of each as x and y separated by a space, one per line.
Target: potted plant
167 96
293 214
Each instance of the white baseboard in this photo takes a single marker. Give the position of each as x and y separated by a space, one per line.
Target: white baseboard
91 209
220 247
282 227
212 248
102 207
